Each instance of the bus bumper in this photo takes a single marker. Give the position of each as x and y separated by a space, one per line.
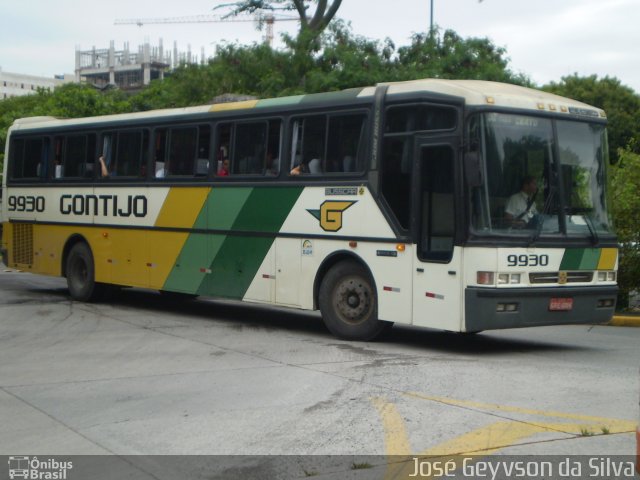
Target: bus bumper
495 308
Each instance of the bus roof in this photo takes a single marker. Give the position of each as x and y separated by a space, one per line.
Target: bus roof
474 93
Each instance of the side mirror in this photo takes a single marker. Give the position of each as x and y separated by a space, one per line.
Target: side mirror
473 169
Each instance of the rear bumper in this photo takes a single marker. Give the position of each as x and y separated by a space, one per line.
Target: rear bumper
481 307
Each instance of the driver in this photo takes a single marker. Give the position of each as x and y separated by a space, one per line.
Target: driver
520 209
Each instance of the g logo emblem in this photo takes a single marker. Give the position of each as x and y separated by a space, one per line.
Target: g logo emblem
330 214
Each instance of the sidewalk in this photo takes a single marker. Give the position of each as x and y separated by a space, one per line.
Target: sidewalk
625 321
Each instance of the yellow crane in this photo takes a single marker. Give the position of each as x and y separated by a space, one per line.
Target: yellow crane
267 19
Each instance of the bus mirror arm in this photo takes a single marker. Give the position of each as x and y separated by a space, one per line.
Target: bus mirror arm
472 169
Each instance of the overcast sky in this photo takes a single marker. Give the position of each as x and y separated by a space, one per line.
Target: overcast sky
544 39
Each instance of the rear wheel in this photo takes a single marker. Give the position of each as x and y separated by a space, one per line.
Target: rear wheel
348 303
81 274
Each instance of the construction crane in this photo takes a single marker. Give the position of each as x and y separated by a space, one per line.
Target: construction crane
267 19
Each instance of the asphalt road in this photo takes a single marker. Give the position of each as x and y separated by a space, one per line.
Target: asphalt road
143 375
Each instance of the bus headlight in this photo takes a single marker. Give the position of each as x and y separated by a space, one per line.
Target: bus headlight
508 278
607 276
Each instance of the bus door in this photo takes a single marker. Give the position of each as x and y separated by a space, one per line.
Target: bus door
437 272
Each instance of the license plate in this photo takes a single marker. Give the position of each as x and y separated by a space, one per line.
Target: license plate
560 304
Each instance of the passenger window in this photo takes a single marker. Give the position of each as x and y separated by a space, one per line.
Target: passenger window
182 152
74 156
224 147
249 148
249 154
125 153
345 143
327 144
30 158
307 149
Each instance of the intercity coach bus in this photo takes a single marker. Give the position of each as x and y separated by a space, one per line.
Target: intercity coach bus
392 203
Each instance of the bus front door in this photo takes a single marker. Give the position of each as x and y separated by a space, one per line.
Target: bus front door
437 282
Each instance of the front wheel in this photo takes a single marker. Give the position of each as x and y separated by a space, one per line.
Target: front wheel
81 274
348 303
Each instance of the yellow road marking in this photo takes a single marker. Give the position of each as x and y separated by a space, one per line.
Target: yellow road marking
482 441
611 423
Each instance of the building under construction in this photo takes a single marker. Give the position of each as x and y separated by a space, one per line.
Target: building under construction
128 70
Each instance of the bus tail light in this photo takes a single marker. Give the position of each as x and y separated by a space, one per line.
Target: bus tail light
486 278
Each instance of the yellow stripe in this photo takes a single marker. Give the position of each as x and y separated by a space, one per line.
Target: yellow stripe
182 206
221 107
484 440
608 258
612 424
396 441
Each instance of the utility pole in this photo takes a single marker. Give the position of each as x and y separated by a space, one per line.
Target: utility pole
431 20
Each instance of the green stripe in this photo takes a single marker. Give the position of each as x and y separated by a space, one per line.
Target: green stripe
239 258
580 259
233 260
218 212
280 102
590 259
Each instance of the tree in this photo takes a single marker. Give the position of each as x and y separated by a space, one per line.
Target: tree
68 101
448 55
621 104
625 206
311 24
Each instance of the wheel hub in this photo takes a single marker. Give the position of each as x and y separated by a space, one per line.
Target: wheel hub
352 300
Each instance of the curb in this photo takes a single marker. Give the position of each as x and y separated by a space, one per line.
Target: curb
625 321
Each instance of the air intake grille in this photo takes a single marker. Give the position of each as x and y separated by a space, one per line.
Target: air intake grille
553 277
23 243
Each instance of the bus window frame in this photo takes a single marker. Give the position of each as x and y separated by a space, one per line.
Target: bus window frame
364 148
132 179
232 123
47 141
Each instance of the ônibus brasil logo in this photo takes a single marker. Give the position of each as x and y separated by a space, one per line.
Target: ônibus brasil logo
35 469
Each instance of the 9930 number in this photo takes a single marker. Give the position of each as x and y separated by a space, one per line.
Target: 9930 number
25 203
530 260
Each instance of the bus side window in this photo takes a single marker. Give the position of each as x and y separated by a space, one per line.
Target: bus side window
273 147
223 151
249 154
204 147
344 143
30 158
58 167
182 151
308 145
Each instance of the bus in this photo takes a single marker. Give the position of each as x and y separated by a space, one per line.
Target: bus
375 205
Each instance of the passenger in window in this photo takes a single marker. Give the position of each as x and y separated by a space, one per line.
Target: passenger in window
162 169
104 167
224 169
300 169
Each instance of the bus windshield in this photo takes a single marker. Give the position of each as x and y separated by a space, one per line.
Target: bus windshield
540 177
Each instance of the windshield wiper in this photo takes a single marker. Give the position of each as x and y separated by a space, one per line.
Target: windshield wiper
595 240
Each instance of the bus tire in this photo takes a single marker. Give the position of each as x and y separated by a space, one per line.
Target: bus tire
80 272
348 303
